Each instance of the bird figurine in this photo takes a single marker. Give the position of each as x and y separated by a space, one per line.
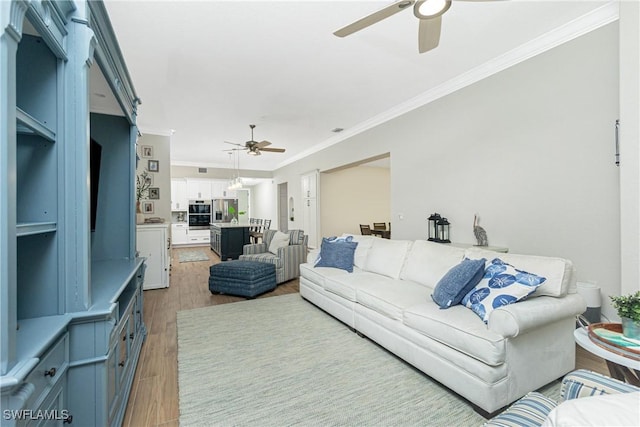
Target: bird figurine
481 235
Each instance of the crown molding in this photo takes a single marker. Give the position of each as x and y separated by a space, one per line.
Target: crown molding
591 21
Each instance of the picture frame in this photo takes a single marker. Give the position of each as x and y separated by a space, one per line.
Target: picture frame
154 193
147 207
147 151
149 180
153 166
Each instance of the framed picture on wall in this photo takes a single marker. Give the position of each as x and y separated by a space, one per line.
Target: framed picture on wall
154 193
148 180
147 151
147 207
153 166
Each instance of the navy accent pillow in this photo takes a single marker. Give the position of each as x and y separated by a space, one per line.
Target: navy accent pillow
457 282
337 253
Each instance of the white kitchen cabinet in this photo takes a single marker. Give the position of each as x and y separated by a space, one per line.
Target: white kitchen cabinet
179 198
179 233
199 237
199 189
154 243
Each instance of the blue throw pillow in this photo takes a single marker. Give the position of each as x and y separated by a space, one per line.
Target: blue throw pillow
457 282
337 253
502 284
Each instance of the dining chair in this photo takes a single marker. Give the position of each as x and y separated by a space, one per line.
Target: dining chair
257 232
365 229
379 225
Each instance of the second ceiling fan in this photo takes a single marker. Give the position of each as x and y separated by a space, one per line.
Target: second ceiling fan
254 148
429 12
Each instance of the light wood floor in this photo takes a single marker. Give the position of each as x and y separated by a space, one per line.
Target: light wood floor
154 395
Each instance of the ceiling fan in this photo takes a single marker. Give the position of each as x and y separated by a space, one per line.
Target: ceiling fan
255 148
429 12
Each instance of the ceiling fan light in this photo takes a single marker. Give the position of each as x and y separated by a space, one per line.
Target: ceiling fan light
428 9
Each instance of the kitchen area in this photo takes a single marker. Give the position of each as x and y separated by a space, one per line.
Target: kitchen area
201 208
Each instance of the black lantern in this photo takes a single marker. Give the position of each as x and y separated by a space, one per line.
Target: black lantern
442 229
433 227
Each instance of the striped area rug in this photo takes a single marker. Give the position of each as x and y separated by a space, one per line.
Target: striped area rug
281 361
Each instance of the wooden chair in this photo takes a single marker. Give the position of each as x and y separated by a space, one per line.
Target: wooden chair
258 231
365 229
379 225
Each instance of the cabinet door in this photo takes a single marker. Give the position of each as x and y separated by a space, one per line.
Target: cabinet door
310 221
309 183
152 244
179 234
179 199
199 189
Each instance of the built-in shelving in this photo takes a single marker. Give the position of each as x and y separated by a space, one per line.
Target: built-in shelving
28 125
29 229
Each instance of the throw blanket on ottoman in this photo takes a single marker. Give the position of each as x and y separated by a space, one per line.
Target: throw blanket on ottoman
243 278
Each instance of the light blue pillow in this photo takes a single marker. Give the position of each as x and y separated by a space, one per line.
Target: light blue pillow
337 253
457 282
501 285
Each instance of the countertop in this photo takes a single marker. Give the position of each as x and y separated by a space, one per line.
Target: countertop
229 225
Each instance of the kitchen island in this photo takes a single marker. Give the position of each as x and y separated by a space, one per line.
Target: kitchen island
227 239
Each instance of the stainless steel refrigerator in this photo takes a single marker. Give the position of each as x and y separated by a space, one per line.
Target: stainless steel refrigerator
224 210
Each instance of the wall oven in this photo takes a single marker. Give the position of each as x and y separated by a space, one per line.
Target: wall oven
199 214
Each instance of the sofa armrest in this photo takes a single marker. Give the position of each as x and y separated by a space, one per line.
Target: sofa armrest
583 383
295 253
514 319
256 248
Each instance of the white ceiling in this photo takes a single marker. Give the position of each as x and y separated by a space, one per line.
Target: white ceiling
205 70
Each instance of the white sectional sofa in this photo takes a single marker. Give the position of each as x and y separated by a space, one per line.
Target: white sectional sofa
387 298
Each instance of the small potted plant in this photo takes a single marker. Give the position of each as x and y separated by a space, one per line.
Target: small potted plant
628 307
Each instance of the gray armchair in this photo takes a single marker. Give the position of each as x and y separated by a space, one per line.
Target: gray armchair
287 260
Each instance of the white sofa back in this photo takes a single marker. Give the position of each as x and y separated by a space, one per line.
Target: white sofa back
426 262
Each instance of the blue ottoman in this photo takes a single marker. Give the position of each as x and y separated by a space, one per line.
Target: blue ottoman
243 278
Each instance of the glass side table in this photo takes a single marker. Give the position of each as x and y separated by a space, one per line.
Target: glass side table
620 367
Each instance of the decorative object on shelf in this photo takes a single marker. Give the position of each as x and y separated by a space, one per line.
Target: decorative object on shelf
628 307
154 166
292 216
433 222
479 232
443 230
142 191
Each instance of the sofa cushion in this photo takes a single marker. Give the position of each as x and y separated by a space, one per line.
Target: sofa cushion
390 297
457 282
279 240
317 274
263 257
427 262
558 271
345 285
501 285
364 244
387 257
458 328
337 253
605 410
531 410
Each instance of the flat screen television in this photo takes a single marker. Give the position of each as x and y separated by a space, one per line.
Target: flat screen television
94 166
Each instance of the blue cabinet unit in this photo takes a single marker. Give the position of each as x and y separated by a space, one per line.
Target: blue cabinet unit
71 321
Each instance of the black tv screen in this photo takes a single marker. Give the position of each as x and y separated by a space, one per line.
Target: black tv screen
94 166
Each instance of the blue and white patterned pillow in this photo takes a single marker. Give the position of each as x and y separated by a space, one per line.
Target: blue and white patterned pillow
337 252
502 284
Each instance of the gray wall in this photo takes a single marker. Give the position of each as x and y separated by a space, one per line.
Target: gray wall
530 149
162 179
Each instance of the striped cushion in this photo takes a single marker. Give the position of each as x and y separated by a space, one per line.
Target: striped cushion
529 411
581 383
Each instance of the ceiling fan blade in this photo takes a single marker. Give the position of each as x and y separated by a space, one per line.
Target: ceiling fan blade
273 150
233 143
429 34
374 17
262 144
